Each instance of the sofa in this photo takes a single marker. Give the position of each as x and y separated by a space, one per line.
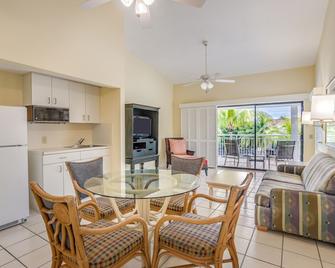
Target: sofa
299 199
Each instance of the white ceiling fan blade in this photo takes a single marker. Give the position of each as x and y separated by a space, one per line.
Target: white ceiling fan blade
194 3
93 3
228 81
191 83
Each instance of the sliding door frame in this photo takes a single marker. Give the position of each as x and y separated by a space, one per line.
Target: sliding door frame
255 105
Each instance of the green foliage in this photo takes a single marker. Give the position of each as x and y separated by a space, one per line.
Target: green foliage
234 121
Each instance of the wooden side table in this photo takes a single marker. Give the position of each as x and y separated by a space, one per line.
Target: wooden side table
225 179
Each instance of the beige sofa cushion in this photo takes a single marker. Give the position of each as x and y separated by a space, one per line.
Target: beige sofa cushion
318 172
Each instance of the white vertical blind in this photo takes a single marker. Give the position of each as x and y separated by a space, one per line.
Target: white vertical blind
198 127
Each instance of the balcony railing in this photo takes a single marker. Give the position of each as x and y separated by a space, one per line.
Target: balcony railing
264 143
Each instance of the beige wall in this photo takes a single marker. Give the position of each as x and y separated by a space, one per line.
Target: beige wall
144 85
11 85
325 67
285 82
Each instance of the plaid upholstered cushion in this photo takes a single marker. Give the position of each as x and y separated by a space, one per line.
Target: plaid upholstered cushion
105 250
194 240
105 207
262 197
176 203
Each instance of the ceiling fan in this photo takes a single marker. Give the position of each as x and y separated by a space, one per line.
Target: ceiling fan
141 6
207 81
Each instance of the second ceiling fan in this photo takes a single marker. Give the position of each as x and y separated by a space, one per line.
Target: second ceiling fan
207 81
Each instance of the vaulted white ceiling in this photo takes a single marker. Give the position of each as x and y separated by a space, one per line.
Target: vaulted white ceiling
245 36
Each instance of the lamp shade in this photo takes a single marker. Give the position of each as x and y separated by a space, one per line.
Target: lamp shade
323 108
306 118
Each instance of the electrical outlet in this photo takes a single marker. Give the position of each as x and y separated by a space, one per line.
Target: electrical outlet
44 140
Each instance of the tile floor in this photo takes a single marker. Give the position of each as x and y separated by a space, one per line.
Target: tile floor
26 245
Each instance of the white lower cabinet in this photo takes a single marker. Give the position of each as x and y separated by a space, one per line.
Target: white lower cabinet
50 172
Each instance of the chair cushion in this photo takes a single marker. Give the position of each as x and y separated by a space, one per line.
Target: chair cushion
105 250
106 209
178 147
176 203
191 239
262 197
282 177
318 172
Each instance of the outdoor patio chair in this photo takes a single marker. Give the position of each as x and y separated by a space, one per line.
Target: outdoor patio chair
80 172
232 150
284 151
101 244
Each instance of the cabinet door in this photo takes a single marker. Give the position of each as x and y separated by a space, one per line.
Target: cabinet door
68 186
92 97
77 103
60 93
53 179
41 89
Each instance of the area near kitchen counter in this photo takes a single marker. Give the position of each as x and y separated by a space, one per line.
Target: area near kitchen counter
47 166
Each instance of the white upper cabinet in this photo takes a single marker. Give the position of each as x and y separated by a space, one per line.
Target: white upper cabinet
92 98
45 91
60 92
77 103
84 103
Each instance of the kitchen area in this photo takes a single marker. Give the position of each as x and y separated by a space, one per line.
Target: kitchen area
46 121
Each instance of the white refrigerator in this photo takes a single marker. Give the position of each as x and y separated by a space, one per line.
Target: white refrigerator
14 190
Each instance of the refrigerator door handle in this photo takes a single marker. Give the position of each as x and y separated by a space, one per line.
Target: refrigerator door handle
10 146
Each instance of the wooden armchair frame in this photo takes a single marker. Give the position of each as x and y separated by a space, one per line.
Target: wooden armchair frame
65 233
93 201
225 241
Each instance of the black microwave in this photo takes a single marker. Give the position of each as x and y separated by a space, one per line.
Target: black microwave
41 114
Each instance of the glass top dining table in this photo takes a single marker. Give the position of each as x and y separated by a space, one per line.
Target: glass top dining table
142 185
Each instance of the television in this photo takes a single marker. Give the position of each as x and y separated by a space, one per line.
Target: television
142 126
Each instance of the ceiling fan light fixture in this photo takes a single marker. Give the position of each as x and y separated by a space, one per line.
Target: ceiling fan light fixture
127 3
141 8
210 85
148 2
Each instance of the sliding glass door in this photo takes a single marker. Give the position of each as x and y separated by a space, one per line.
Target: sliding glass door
259 136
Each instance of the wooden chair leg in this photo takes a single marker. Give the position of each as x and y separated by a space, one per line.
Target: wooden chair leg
233 253
155 256
262 228
146 259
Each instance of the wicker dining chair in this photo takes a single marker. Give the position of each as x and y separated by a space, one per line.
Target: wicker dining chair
80 172
202 240
101 244
179 165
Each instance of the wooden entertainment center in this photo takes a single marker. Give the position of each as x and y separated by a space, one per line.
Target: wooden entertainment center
141 135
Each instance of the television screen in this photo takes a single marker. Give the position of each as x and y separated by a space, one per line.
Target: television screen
142 126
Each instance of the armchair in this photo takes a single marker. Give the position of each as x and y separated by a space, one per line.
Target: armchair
100 244
177 146
201 240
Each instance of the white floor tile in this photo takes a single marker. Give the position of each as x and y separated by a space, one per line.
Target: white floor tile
174 261
204 211
253 263
264 253
37 228
26 246
241 245
14 264
33 219
13 235
134 263
301 246
272 239
37 257
244 232
327 252
46 265
5 257
328 265
44 235
246 221
292 260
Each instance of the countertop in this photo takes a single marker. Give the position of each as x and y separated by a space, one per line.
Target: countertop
61 150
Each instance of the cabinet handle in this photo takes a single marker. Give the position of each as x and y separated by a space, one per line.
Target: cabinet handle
55 100
60 169
84 117
88 117
62 157
49 100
